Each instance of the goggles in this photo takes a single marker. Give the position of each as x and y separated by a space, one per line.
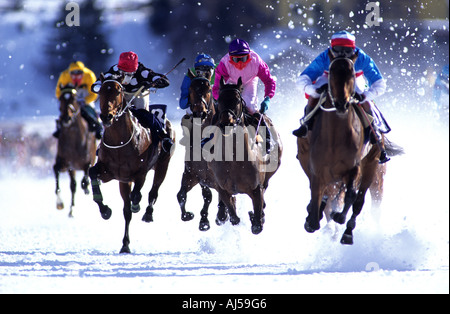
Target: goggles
341 51
76 72
237 59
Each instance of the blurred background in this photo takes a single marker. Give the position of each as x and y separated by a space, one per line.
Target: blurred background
409 42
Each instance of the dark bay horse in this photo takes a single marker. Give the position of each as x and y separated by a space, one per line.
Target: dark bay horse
240 165
126 154
336 152
76 145
195 166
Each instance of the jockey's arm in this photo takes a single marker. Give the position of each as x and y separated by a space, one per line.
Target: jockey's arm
268 80
377 88
89 79
184 96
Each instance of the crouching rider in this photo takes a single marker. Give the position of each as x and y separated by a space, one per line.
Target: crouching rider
315 77
137 80
81 78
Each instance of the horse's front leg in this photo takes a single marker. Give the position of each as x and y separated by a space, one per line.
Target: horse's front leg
85 181
207 197
136 195
349 199
230 203
187 183
125 189
256 216
56 171
73 189
94 175
160 174
312 222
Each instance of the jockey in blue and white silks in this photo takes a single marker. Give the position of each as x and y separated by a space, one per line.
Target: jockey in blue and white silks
369 82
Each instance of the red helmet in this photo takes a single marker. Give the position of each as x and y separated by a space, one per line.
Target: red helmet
128 61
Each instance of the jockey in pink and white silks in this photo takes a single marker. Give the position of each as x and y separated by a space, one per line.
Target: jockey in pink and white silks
243 62
369 82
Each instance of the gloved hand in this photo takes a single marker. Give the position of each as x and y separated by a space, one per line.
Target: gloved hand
311 91
264 105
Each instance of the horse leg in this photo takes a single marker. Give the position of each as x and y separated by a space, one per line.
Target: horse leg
207 197
222 215
312 222
125 189
94 175
257 197
187 183
85 181
230 202
136 195
159 176
73 189
56 171
349 199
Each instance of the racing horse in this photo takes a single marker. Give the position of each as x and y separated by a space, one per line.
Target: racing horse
195 166
127 153
337 151
241 164
76 145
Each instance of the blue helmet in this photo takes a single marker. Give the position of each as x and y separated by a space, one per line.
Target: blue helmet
204 60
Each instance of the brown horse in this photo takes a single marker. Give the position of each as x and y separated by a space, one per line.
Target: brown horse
195 166
240 165
76 145
336 151
126 154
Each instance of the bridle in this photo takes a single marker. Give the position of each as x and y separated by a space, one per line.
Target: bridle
75 112
238 116
352 98
208 105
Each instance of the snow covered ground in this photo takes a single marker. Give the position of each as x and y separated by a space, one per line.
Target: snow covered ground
402 248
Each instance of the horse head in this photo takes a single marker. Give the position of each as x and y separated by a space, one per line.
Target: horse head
341 82
231 103
200 96
112 99
68 106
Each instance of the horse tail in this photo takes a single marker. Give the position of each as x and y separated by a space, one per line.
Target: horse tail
392 149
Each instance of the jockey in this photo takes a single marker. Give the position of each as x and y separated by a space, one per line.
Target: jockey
203 66
136 80
316 76
242 62
81 78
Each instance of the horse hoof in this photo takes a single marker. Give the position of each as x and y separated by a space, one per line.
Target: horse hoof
147 217
188 216
338 218
256 229
221 221
309 228
135 208
204 226
86 192
106 212
347 239
59 206
125 249
235 220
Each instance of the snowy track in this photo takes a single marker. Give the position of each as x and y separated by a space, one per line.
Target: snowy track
401 249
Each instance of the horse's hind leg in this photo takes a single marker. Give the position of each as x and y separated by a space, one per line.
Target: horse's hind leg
222 215
207 197
73 189
187 183
136 195
56 171
125 189
85 181
94 175
230 203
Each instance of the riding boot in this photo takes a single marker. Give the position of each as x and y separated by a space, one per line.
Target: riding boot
375 137
58 128
186 126
307 125
166 140
92 118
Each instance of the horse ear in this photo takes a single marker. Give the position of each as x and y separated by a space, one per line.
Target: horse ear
190 74
102 77
330 55
239 82
355 56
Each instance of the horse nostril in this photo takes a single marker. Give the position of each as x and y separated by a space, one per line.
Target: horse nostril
110 117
